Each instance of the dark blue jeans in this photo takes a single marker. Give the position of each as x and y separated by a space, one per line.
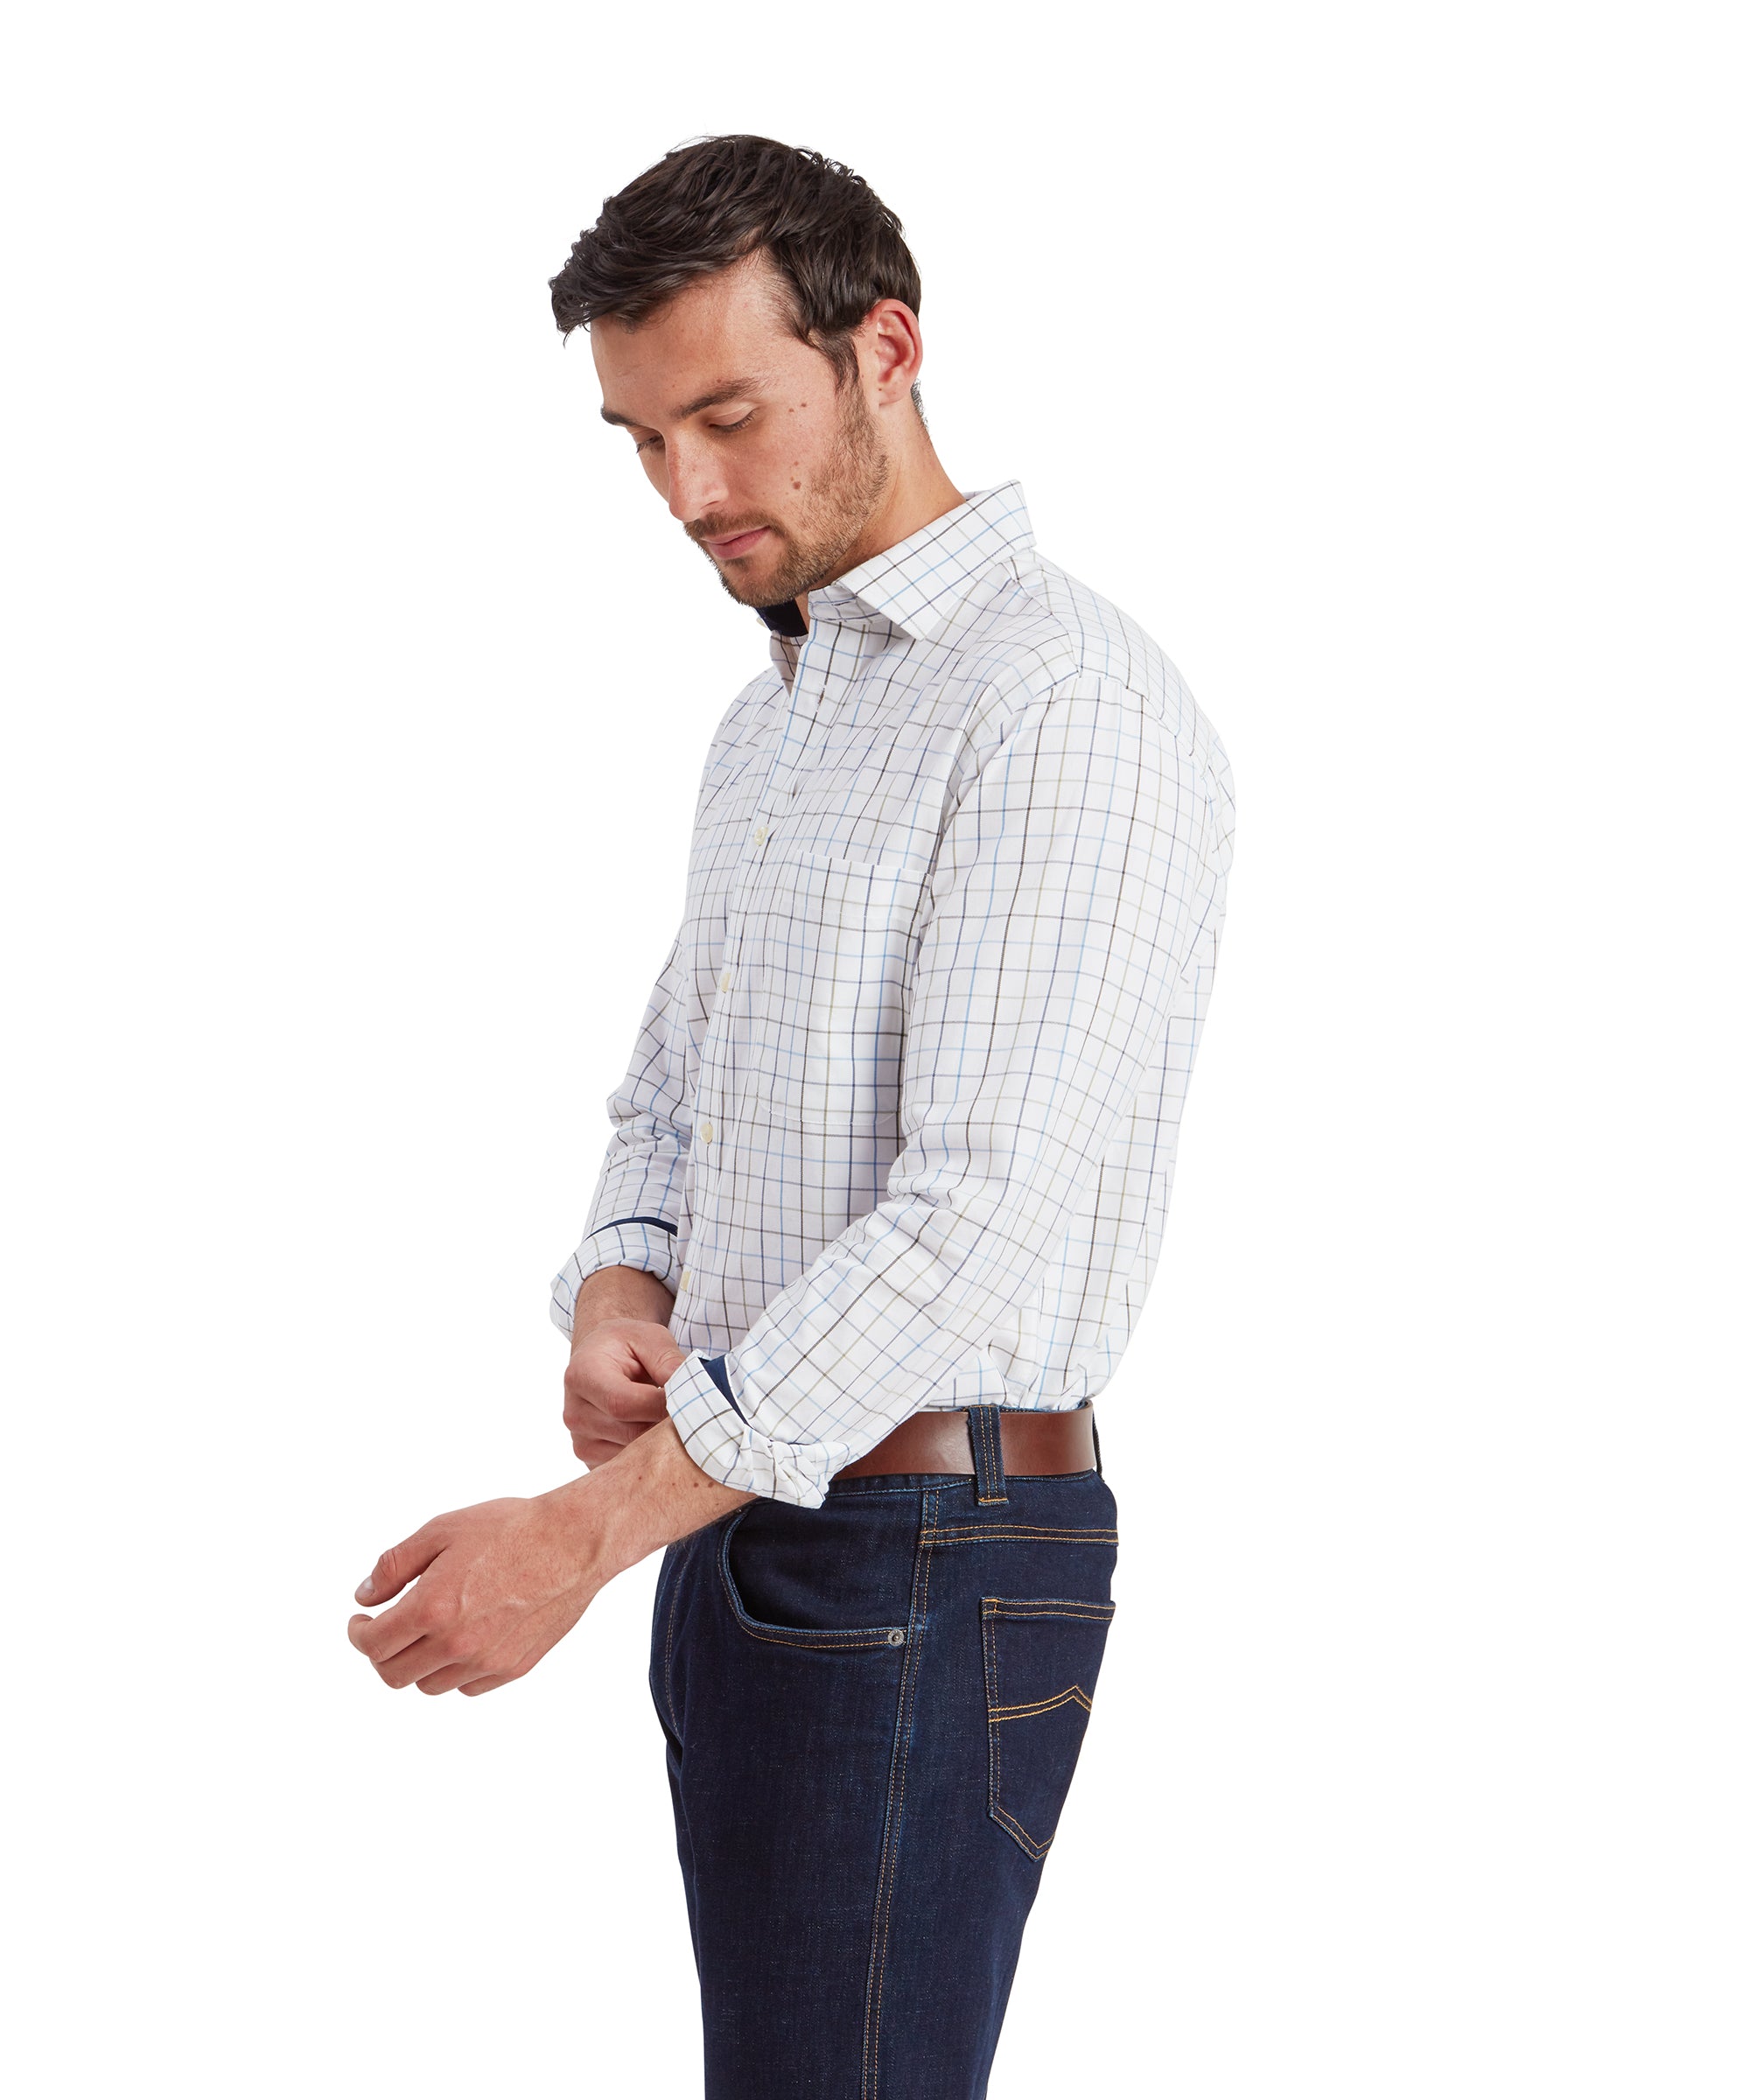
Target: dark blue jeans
872 1711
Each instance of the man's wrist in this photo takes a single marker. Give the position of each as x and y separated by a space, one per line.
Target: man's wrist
647 1496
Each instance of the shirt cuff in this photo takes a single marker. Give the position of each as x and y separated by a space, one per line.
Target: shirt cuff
721 1442
645 1244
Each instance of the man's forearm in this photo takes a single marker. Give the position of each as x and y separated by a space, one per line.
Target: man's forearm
618 1292
495 1585
647 1497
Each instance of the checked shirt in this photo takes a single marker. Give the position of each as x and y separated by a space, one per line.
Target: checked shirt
900 1124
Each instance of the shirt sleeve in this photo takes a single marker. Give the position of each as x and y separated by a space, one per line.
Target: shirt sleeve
635 1216
1073 881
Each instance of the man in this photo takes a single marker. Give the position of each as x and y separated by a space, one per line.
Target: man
889 1168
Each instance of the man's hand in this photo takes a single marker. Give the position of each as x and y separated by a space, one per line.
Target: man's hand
497 1585
614 1384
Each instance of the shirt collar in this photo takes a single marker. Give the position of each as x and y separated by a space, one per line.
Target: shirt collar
917 584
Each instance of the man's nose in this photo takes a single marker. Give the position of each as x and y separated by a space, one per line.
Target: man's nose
695 484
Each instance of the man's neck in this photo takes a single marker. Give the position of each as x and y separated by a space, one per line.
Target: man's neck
920 494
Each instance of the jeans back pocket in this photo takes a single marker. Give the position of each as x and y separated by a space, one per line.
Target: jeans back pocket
1042 1660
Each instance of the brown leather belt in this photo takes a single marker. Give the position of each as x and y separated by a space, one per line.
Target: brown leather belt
935 1440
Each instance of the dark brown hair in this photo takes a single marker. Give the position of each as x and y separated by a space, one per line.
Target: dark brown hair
836 247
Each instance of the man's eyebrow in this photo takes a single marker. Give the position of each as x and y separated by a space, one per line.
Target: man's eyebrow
731 390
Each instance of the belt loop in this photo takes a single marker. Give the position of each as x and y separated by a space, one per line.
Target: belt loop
984 1432
1094 1423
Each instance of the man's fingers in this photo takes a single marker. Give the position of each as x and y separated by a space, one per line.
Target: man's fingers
396 1568
408 1655
608 1400
448 1677
375 1639
390 1632
408 1665
380 1638
586 1418
470 1677
658 1351
617 1372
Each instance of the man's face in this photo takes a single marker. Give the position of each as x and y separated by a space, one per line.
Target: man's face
769 468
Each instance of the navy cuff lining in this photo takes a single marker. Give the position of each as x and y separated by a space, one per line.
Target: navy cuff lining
720 1379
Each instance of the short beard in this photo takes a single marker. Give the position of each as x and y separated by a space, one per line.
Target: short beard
841 499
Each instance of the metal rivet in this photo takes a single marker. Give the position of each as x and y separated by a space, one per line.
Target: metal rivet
896 1636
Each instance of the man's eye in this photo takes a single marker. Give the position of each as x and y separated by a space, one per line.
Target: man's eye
643 445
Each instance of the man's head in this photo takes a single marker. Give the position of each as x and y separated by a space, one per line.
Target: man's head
753 310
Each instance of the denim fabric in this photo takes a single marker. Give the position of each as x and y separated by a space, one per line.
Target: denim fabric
873 1709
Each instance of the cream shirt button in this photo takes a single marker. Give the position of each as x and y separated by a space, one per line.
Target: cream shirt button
705 1133
759 835
685 1275
723 982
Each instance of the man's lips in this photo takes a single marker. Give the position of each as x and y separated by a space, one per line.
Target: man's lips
738 544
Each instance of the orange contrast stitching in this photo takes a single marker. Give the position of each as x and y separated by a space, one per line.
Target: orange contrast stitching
884 1903
968 1534
1058 1698
668 1649
990 1610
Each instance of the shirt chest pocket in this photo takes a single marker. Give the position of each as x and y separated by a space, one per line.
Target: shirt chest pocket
827 952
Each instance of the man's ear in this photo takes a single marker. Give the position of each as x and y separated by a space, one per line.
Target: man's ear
894 346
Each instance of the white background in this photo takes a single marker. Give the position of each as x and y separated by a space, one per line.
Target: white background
1387 363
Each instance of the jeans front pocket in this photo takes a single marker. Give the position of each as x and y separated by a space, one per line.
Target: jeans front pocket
817 1578
1041 1659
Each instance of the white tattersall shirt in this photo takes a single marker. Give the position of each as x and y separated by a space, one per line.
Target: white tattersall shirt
899 1126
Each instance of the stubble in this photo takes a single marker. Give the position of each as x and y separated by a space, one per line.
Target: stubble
839 502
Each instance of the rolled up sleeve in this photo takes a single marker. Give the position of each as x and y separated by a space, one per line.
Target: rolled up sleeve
636 1214
1073 883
